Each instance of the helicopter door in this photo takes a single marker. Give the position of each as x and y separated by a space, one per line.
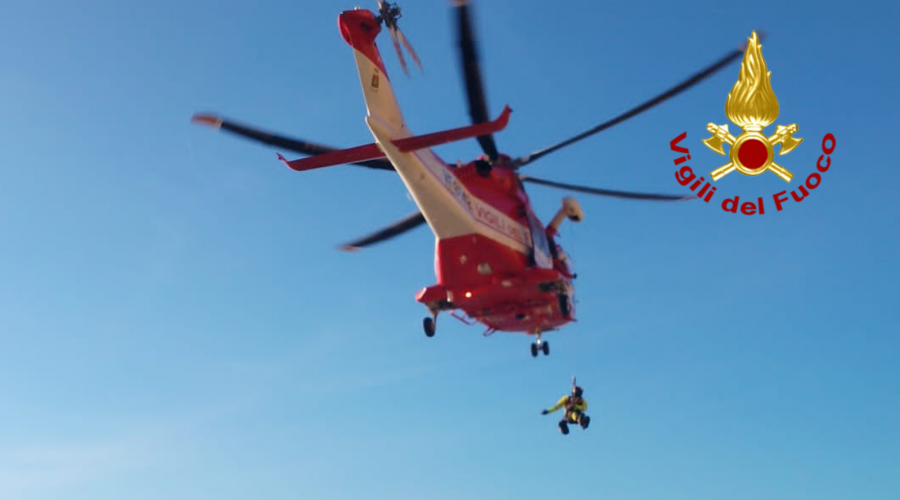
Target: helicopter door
540 247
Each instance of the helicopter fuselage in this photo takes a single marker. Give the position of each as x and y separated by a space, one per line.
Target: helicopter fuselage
494 259
503 269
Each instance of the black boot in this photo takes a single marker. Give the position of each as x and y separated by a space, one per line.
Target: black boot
585 421
563 427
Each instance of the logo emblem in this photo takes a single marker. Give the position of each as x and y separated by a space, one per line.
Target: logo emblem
752 106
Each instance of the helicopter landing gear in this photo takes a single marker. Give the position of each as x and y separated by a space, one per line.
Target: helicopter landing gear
429 324
540 346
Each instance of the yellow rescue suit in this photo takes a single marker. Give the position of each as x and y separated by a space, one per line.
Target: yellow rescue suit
573 406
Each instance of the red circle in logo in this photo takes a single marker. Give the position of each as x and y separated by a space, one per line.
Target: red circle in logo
753 154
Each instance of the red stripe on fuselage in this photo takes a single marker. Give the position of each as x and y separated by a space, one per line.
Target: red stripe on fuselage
477 205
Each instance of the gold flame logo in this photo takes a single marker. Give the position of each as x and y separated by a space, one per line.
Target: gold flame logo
752 105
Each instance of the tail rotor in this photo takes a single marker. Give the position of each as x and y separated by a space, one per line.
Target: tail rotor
388 14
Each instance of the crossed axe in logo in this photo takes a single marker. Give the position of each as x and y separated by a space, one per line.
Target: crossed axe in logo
751 152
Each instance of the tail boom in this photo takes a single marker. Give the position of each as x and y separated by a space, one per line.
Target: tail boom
447 205
359 28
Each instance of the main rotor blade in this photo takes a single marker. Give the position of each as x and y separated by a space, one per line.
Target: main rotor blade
672 92
403 225
607 192
295 145
478 109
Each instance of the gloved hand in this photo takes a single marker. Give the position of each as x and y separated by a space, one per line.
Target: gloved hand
544 412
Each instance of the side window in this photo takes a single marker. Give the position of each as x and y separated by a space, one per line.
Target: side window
542 255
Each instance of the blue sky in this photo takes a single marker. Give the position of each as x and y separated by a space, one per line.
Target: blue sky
176 321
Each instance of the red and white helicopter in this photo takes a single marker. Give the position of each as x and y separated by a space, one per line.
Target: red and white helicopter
494 259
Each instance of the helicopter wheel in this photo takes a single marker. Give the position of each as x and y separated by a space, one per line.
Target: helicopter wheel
429 326
546 348
534 350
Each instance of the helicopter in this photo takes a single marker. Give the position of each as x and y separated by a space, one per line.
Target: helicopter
495 261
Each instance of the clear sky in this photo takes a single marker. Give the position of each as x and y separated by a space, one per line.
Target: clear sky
177 322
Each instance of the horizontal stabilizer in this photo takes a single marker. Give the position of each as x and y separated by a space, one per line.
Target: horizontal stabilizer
339 157
370 151
457 134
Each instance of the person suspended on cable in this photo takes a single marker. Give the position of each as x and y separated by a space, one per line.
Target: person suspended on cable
575 406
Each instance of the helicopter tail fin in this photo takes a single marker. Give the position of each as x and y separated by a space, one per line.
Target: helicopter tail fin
359 28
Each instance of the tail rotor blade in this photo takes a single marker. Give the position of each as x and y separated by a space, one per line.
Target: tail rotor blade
393 33
409 48
388 14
